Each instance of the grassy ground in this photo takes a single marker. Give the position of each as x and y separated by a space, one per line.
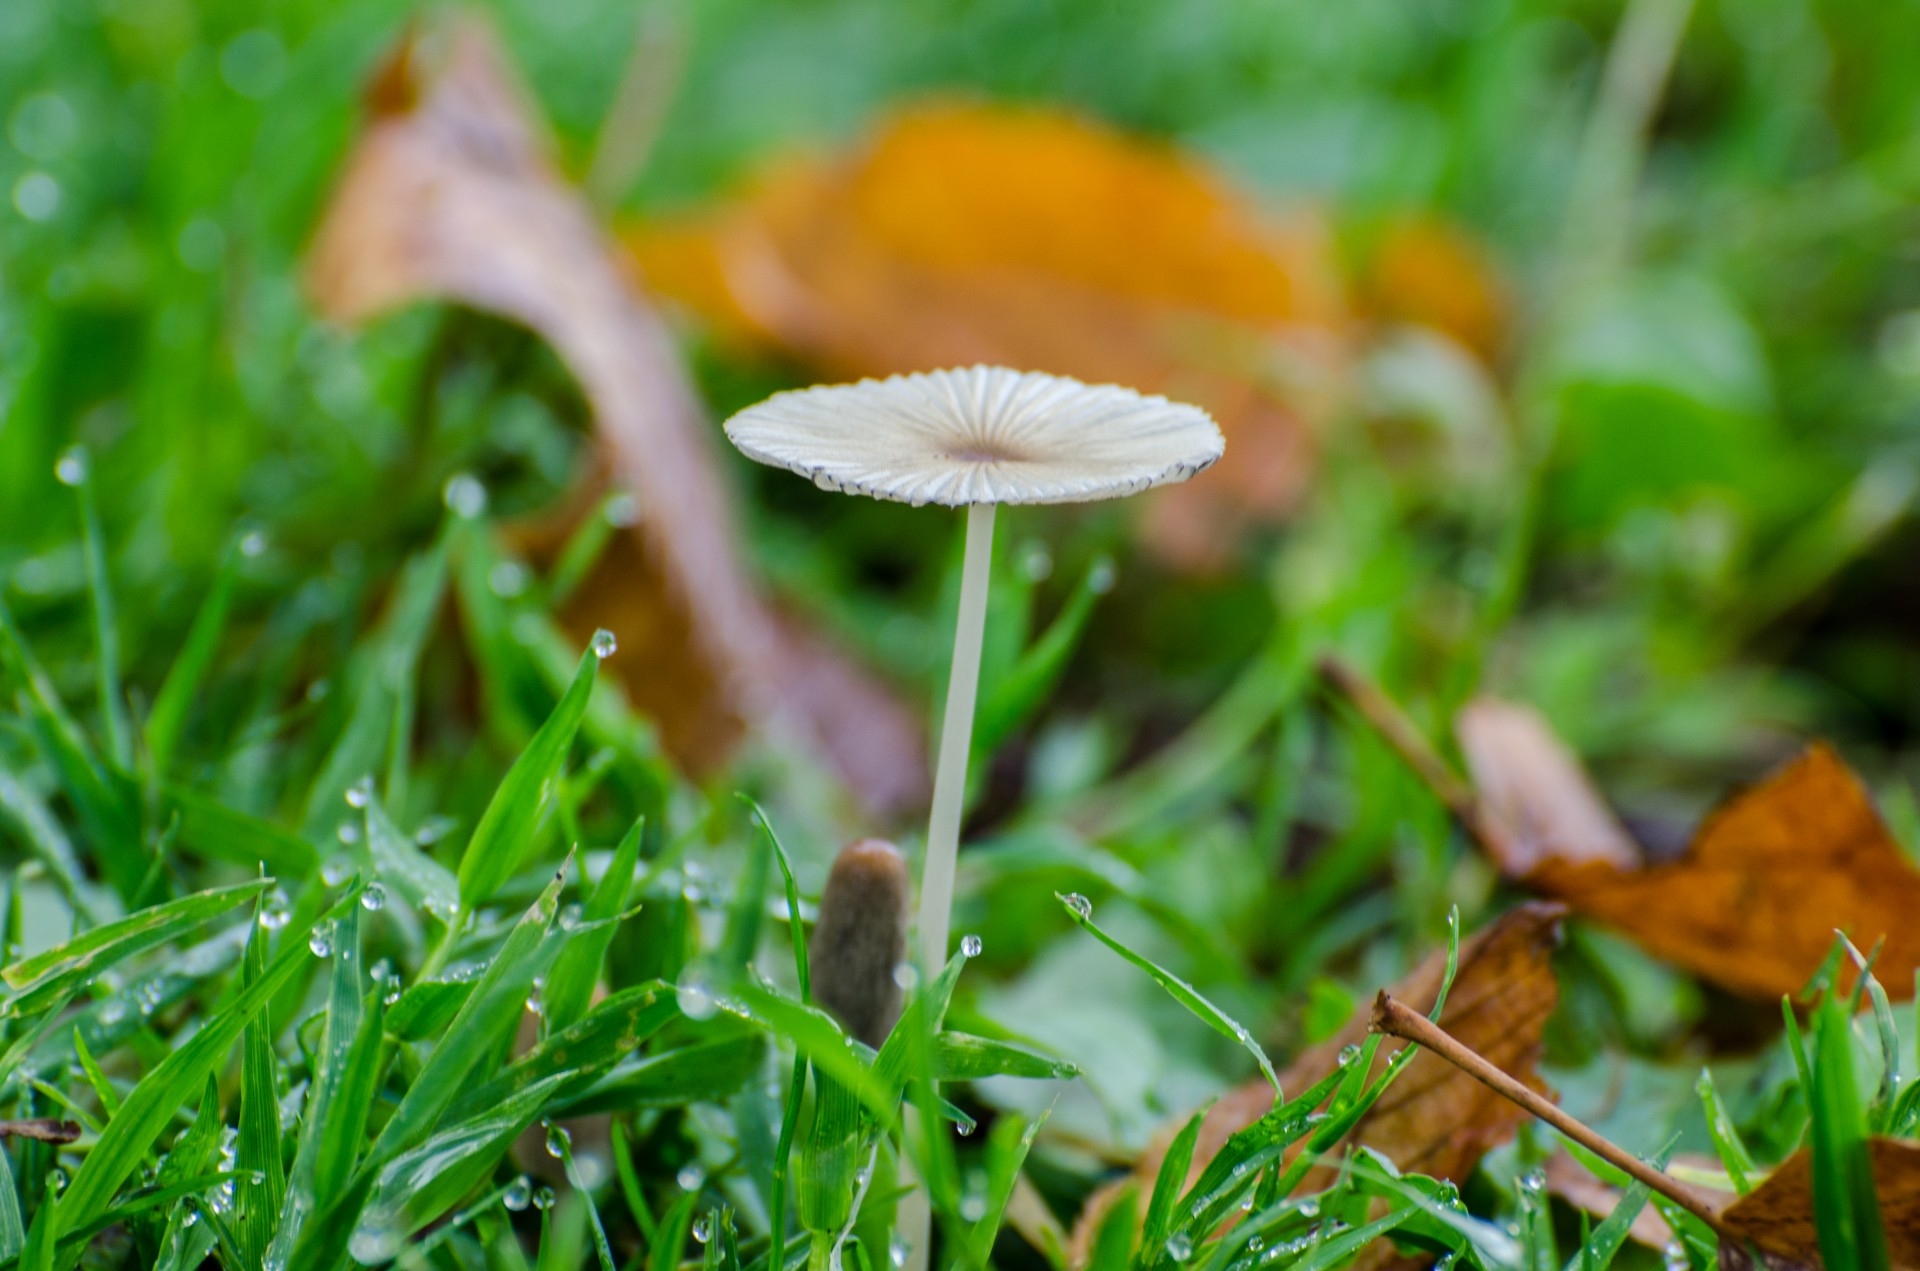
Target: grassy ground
335 869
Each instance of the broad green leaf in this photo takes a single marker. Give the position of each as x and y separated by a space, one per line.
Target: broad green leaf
43 978
506 831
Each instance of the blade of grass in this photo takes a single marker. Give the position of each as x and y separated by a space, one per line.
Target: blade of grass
577 969
490 1012
506 830
1179 989
106 633
342 1028
178 691
152 1103
262 1188
41 979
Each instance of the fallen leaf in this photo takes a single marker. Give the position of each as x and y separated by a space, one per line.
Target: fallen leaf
1753 904
44 1129
1034 238
451 195
1428 273
1527 778
1433 1119
1778 1214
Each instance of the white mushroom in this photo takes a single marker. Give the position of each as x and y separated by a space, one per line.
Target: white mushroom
975 438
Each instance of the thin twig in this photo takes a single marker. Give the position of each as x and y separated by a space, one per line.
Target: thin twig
1385 717
1396 1019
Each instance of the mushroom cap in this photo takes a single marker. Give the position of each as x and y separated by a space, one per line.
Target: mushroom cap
983 434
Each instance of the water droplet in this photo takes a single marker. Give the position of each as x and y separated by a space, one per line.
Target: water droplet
1674 1256
465 495
1079 904
113 1011
1179 1246
360 793
508 579
1256 1244
906 975
1102 577
433 829
1534 1181
973 1207
695 997
1309 1208
71 467
253 543
1037 564
703 1227
374 897
56 1180
374 1241
965 1128
691 1177
37 195
558 1141
543 1197
320 941
1348 1054
348 832
571 916
336 871
604 643
971 945
898 1247
275 909
623 511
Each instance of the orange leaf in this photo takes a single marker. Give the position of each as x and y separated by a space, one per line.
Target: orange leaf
1428 273
1434 1119
1035 239
451 195
1754 903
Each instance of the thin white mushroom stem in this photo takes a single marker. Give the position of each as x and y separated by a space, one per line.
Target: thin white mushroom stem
956 740
943 825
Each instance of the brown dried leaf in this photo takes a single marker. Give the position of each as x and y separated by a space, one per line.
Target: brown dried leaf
1754 903
1033 238
451 195
1434 1119
1528 779
1778 1214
